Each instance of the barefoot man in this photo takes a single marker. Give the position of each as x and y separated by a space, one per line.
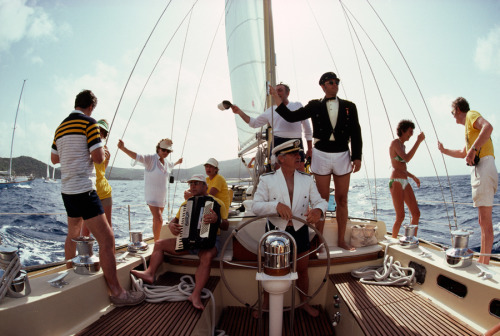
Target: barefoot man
290 192
197 187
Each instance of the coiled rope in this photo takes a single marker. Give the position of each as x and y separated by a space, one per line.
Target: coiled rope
12 268
391 273
179 292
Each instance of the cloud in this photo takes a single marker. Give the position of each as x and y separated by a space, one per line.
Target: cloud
19 21
487 55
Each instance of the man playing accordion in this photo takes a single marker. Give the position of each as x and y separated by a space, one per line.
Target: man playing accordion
197 187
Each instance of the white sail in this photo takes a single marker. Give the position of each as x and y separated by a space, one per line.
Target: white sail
246 58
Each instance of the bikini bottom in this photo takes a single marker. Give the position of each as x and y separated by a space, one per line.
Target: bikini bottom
403 182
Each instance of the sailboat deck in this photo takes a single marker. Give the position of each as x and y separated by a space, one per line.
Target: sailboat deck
239 321
388 310
166 318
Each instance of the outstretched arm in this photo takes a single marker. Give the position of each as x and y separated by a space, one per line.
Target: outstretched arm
456 153
238 111
121 145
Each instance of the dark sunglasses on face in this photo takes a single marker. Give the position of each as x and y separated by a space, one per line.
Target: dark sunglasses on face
336 81
165 150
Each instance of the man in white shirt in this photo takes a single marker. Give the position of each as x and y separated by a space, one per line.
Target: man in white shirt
283 130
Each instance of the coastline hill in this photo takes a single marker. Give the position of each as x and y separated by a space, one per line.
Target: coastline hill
25 165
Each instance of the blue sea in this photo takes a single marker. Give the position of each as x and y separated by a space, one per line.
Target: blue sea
33 219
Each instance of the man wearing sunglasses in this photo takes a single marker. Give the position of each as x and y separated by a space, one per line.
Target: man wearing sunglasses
335 125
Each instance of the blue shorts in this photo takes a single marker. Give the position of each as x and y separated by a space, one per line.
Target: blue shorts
86 205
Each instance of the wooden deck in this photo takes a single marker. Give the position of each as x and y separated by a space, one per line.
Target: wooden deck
387 310
166 318
239 321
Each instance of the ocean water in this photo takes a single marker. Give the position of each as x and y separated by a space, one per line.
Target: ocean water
33 219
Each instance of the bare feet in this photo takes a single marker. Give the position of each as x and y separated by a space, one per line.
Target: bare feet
346 247
196 301
146 277
310 310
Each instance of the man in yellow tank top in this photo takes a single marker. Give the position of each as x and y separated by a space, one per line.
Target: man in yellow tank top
478 153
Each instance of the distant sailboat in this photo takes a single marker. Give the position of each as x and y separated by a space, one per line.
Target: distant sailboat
48 179
9 179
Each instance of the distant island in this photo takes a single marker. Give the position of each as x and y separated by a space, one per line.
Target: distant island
25 165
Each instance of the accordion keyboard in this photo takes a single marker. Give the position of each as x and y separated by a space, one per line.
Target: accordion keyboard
205 228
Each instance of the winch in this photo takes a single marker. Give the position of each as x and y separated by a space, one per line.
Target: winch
409 240
9 261
136 244
459 255
85 262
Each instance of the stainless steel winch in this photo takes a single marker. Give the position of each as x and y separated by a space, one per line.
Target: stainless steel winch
409 240
136 244
85 262
459 255
20 285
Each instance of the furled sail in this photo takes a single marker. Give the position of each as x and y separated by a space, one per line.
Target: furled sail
247 68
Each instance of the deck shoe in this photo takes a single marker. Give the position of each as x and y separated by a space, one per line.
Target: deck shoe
132 299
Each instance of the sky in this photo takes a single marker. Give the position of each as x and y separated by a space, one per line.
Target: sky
452 48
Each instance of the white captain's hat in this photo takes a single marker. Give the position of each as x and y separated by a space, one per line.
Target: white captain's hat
287 147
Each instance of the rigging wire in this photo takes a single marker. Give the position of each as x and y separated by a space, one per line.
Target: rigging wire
196 95
430 118
327 46
146 83
169 209
349 26
128 80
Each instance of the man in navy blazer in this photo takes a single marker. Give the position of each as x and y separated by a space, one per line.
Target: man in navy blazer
335 125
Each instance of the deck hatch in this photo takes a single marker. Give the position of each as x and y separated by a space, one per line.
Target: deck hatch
495 307
452 286
420 271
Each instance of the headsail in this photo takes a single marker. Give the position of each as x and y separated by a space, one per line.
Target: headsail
247 64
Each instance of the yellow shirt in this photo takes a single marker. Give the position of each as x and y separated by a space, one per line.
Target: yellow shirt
219 183
101 183
471 135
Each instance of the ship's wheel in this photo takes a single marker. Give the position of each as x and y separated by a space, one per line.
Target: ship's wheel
236 264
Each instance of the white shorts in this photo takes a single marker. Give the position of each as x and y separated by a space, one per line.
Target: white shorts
484 182
324 163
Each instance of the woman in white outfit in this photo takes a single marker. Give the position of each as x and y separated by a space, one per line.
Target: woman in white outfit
156 176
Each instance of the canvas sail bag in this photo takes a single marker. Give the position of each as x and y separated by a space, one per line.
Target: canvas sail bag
363 235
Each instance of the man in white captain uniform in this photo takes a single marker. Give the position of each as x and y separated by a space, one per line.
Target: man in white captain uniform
290 192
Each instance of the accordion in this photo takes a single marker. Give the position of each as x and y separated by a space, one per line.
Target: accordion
195 234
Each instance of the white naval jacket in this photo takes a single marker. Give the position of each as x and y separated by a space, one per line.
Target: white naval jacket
272 190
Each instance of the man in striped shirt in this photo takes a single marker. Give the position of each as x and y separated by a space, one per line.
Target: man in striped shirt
77 145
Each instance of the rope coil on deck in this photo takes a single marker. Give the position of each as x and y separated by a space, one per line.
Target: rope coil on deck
391 273
180 292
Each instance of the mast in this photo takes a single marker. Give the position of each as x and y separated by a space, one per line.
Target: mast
14 130
270 58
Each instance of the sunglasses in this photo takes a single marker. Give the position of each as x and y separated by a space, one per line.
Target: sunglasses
336 81
195 183
165 150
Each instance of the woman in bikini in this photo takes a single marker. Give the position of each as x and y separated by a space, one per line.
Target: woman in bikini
401 190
